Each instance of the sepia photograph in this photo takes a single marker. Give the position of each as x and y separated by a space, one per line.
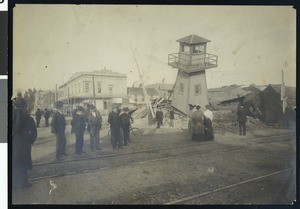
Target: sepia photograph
153 105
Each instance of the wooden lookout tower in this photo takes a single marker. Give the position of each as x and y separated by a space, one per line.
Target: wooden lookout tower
191 61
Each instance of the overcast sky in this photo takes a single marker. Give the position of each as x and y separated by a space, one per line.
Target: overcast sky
52 42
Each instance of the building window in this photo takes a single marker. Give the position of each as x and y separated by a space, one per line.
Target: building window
105 106
86 88
143 99
75 88
135 98
99 87
79 88
110 89
197 89
181 87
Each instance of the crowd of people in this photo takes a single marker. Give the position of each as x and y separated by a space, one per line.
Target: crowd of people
25 130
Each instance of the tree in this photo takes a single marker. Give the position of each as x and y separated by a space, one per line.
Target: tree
29 96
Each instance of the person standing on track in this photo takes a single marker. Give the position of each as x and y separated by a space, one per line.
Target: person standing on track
242 118
38 116
172 117
125 121
94 126
159 117
115 126
78 127
47 116
58 127
24 134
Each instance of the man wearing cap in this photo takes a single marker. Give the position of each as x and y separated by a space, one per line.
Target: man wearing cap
197 122
78 127
58 127
94 126
115 125
24 134
125 121
242 118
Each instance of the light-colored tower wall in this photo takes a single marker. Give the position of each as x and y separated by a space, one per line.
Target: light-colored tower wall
185 91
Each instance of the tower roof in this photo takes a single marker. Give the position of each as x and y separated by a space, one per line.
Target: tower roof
193 39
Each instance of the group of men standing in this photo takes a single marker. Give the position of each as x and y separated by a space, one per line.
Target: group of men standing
39 114
82 120
119 120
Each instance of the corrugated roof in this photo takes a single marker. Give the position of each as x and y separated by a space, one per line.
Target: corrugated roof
139 91
193 39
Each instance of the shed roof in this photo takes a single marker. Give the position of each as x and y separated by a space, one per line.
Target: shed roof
193 39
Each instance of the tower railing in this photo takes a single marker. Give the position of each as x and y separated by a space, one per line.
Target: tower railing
198 61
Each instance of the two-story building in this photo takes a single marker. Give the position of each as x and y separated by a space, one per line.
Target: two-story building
100 88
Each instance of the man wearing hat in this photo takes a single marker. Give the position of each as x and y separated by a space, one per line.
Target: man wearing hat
159 117
242 118
78 127
94 126
115 126
125 121
24 134
58 127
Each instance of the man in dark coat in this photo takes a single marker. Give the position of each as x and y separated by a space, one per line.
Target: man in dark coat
242 118
159 117
172 117
24 134
58 127
38 116
125 121
115 125
78 124
47 116
94 126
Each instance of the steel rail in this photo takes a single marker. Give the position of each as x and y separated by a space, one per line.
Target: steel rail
227 187
140 151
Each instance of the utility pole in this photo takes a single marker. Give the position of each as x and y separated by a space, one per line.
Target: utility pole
283 97
94 90
143 86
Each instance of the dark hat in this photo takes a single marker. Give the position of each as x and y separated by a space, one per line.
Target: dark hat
125 109
198 107
20 103
58 104
91 106
80 109
114 106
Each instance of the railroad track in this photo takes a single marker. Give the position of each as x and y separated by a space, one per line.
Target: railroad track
156 150
185 199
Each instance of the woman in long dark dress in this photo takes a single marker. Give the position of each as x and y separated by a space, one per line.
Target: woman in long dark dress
24 134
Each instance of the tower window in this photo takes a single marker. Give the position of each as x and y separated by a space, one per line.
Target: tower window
110 89
197 89
181 87
86 87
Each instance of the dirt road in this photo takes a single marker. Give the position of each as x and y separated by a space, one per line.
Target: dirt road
165 168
